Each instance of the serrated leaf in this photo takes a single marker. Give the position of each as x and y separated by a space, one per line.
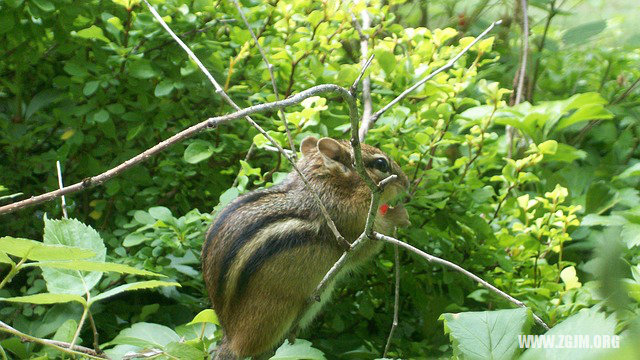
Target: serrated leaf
150 284
94 266
74 233
46 299
35 250
586 322
487 334
198 151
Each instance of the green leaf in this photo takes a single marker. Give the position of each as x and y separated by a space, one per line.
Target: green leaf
197 151
92 32
146 335
548 147
611 220
161 213
586 322
150 284
35 250
101 116
134 239
41 100
600 198
74 233
386 59
177 350
581 33
565 153
94 266
66 331
585 113
141 69
487 334
164 87
631 235
205 316
44 5
46 299
90 87
4 258
633 170
300 349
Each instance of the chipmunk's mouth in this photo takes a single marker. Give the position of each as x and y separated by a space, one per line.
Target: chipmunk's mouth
394 196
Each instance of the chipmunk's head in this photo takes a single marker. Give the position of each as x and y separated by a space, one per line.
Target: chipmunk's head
331 162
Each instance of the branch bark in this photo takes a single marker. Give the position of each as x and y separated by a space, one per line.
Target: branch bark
181 136
450 265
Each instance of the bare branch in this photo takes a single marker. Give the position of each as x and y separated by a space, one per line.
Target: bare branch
60 185
181 136
58 345
525 51
520 74
396 300
447 66
273 79
450 265
365 65
367 103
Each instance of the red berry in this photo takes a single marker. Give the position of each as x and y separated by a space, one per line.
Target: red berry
384 208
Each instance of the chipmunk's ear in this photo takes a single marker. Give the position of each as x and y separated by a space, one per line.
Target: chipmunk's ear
334 154
308 144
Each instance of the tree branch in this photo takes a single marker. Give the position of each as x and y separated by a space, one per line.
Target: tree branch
450 265
181 136
273 79
58 345
447 66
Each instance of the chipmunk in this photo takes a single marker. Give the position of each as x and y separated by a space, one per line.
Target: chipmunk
267 251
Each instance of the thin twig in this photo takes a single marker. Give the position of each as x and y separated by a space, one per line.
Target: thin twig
60 186
246 159
59 345
94 329
353 112
521 73
626 93
396 299
273 79
445 67
536 66
525 51
367 103
437 260
181 136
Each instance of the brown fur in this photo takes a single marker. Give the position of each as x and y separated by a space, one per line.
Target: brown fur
256 312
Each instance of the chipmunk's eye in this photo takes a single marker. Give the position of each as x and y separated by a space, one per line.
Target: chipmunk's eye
380 164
